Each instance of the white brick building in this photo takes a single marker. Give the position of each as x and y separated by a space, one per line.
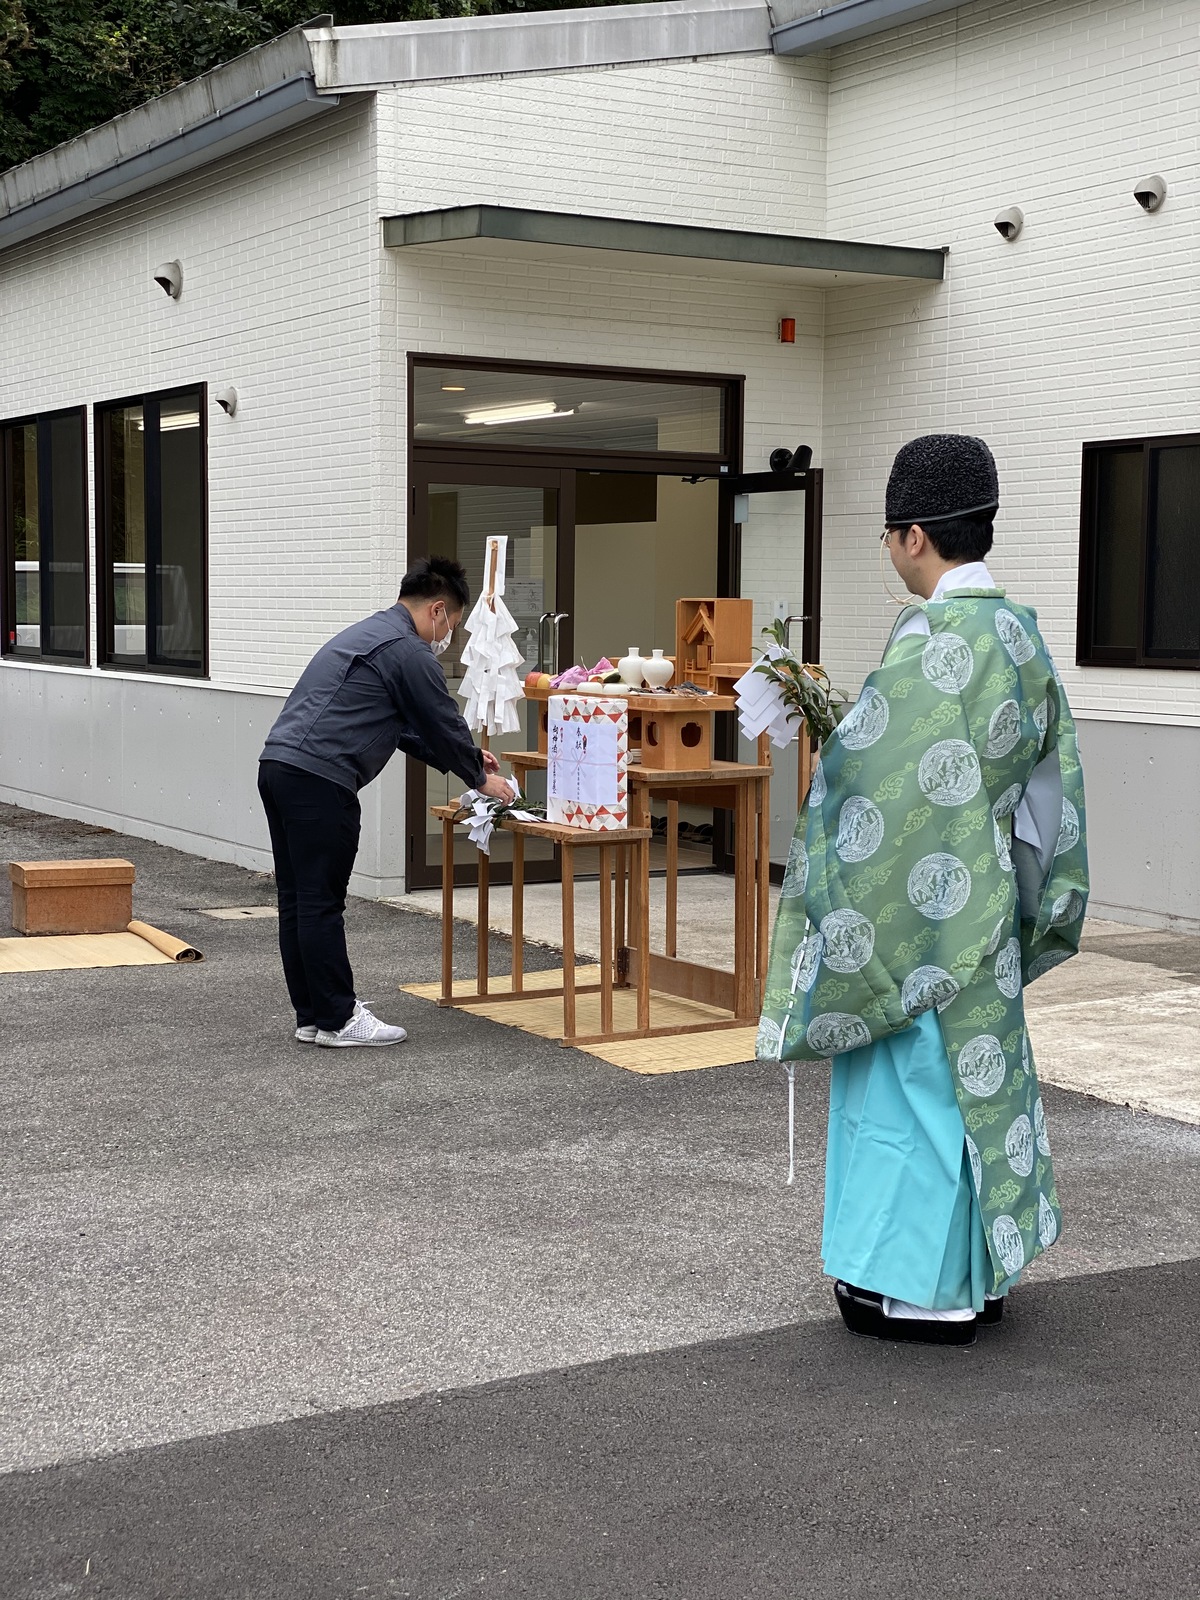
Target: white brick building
809 164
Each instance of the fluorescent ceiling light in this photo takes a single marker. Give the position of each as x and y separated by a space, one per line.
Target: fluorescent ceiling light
529 411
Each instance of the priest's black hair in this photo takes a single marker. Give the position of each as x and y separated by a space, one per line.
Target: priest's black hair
959 538
437 578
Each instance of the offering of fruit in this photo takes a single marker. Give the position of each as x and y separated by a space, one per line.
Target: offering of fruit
531 679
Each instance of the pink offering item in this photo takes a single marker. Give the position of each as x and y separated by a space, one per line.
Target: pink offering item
569 678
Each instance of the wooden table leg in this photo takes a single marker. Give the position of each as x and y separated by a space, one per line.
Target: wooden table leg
804 769
642 881
481 932
672 877
606 941
763 866
744 976
619 916
518 913
447 909
568 942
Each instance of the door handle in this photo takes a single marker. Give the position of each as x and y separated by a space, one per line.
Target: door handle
787 628
545 617
556 621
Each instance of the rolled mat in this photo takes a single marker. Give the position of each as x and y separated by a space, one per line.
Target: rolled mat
177 949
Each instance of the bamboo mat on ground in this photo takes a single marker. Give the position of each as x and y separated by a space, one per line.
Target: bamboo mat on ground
139 946
542 1015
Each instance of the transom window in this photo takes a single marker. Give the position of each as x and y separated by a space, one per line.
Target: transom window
563 408
152 532
43 519
1139 568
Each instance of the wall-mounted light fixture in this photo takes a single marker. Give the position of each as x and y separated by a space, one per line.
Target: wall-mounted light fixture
787 330
1009 223
227 399
1150 192
169 278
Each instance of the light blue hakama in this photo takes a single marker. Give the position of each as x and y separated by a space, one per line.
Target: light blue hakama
901 1213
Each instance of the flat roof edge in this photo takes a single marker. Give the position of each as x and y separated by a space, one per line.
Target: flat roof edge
274 110
459 224
852 19
375 56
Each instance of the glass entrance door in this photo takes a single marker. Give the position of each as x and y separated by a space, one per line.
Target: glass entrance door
455 511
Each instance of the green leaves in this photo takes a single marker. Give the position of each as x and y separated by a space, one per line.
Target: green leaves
807 692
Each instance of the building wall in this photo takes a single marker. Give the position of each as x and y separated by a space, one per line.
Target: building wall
1082 329
279 248
737 142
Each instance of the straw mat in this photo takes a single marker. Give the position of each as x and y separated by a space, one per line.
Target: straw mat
543 1016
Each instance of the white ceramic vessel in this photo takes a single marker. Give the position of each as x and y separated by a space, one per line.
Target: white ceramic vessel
658 671
630 667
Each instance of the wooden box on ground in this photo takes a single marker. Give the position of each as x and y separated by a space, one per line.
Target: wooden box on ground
711 635
71 896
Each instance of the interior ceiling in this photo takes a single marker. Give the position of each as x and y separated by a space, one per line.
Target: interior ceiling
607 413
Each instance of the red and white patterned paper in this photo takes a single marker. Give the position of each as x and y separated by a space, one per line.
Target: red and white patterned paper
587 773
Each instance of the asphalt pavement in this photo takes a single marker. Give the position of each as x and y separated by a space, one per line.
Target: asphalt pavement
479 1315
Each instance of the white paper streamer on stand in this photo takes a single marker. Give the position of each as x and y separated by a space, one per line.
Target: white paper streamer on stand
483 816
761 707
491 685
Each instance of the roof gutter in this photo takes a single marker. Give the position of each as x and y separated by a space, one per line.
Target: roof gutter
272 110
852 19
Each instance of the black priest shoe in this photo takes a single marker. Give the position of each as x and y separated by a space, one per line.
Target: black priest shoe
862 1312
992 1311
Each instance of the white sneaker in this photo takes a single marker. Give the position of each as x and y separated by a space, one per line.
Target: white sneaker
307 1034
364 1028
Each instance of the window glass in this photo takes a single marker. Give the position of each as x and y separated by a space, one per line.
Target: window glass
44 522
180 570
1173 565
1117 550
65 629
493 408
124 443
22 514
153 529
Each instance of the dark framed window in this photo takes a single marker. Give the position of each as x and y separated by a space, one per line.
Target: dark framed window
1139 557
43 520
516 409
152 527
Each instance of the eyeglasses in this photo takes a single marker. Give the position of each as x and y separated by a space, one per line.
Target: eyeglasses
886 536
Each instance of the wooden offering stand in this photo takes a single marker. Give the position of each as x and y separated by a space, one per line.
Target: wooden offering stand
633 843
724 785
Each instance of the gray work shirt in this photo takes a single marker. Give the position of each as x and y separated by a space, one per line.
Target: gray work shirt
374 689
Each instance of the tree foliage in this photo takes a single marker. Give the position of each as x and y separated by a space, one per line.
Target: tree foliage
66 65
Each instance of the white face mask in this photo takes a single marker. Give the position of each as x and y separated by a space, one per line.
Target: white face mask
440 646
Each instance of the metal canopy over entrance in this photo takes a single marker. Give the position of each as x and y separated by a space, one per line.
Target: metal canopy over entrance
725 251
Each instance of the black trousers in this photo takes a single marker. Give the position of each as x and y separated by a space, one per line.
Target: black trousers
314 837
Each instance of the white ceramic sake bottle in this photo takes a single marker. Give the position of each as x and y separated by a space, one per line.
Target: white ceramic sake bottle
630 667
658 671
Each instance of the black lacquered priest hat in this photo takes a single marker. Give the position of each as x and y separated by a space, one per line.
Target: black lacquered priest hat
940 476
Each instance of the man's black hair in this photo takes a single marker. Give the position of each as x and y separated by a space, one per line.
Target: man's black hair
437 578
959 538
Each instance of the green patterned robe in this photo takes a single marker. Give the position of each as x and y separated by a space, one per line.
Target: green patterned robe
906 887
